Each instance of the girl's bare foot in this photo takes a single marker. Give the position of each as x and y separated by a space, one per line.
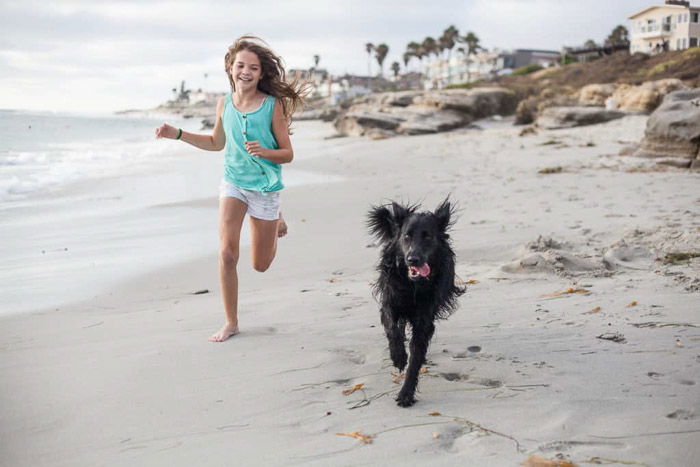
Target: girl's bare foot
282 227
228 330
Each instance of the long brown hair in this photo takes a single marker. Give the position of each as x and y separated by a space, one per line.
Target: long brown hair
273 78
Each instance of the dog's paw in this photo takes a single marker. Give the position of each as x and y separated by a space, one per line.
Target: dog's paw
400 362
405 400
398 357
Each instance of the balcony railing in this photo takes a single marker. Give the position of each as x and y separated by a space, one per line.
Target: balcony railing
655 30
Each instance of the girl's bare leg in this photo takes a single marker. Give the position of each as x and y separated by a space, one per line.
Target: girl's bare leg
263 242
231 214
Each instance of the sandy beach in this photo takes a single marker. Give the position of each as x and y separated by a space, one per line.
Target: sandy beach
575 338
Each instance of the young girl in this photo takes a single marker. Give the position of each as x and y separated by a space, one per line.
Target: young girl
252 125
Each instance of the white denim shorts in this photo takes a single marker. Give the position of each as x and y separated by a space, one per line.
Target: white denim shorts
263 205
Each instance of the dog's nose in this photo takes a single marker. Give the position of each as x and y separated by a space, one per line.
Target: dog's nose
413 260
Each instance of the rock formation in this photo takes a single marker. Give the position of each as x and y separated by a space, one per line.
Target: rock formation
673 130
419 112
568 117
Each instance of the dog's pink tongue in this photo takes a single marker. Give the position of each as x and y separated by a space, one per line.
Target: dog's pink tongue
424 270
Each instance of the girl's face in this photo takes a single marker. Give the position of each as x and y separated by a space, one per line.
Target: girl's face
246 70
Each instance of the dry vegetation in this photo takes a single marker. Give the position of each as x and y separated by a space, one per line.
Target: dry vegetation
620 67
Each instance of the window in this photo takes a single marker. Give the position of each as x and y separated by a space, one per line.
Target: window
683 42
680 18
695 17
693 42
678 44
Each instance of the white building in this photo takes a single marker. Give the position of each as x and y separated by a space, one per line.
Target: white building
442 72
483 65
672 26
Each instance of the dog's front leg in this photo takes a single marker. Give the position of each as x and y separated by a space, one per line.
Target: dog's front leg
396 336
421 334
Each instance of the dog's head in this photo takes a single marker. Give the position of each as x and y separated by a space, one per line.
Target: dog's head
416 237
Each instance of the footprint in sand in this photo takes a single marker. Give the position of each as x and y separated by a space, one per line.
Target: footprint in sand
682 414
487 382
686 382
351 355
450 434
561 446
261 330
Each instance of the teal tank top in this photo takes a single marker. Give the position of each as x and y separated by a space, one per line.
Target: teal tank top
240 168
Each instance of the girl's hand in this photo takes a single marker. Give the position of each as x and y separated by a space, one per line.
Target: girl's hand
254 148
166 131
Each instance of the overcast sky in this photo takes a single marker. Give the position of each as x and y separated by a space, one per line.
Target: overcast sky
80 55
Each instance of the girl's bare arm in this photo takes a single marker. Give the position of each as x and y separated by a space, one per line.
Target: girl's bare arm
214 142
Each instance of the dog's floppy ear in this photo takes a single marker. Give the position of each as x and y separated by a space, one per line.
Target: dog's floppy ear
380 223
385 223
445 215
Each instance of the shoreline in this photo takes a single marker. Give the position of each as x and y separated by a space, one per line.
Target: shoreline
75 241
130 378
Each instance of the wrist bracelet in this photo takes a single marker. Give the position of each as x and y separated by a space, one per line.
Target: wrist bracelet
179 133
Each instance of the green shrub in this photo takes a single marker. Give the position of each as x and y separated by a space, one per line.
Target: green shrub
463 85
527 69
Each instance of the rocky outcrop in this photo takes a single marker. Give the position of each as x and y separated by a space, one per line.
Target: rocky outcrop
673 130
595 94
326 114
420 112
568 117
646 97
626 97
528 109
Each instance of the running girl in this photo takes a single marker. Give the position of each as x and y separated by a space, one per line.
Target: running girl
253 127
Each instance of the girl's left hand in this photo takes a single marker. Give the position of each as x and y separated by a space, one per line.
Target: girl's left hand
254 148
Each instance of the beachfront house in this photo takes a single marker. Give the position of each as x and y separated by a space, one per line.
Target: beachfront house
319 79
349 86
461 68
484 65
522 57
674 25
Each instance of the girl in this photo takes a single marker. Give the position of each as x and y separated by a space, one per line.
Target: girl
253 126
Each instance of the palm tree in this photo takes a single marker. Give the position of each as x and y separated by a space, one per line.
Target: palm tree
472 42
369 47
429 46
448 39
447 42
618 36
412 50
590 44
317 58
380 53
406 58
395 67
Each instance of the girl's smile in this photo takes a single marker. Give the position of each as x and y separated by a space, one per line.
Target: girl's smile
246 70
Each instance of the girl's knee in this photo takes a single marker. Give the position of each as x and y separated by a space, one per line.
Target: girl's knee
229 256
262 265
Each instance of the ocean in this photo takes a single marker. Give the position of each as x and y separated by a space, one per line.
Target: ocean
40 151
88 201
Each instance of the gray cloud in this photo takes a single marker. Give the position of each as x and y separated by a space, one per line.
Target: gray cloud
140 49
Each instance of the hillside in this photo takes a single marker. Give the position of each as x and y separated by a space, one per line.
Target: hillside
620 67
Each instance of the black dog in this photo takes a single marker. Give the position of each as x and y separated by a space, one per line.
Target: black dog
416 281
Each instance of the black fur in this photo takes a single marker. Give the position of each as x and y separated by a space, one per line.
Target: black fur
409 241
